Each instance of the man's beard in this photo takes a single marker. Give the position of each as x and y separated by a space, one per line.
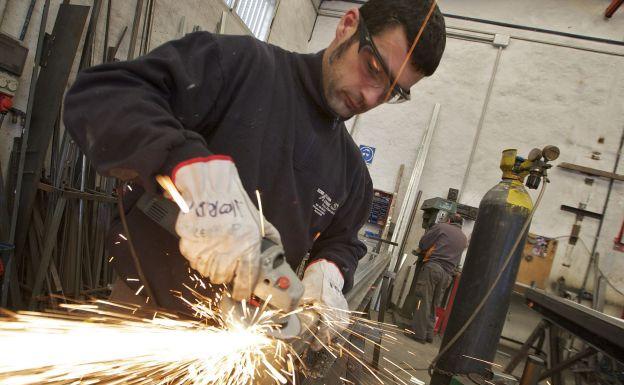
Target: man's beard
336 103
340 50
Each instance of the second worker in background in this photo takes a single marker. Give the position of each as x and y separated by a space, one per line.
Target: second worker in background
441 248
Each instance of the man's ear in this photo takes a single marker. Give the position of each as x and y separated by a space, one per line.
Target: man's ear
348 24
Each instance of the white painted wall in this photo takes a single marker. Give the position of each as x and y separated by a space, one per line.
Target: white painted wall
291 29
543 94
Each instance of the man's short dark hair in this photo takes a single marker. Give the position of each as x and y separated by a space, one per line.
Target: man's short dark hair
381 14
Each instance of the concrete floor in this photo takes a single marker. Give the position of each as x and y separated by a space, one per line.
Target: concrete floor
404 362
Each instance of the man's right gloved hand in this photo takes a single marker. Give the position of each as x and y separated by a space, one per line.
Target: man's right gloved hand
221 235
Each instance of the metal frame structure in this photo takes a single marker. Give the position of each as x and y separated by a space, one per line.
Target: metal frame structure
600 333
62 208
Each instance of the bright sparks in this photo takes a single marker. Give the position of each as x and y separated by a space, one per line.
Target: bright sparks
104 346
110 343
167 184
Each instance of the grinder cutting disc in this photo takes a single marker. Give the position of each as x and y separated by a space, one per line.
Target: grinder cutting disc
278 286
286 326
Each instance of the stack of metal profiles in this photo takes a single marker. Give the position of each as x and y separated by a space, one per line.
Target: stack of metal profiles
59 207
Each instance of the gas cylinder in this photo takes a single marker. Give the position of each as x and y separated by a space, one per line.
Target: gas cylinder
502 214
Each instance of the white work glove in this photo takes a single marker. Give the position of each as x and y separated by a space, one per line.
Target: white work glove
323 283
221 235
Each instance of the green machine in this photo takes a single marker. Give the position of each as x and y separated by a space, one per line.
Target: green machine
436 210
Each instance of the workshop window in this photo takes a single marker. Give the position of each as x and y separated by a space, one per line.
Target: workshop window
257 14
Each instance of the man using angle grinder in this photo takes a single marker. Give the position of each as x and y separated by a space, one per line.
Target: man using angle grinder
226 116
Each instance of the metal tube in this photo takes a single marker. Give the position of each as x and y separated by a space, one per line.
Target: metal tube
106 31
518 26
535 29
532 370
335 13
419 165
78 261
150 26
557 368
24 146
3 5
135 29
475 141
388 280
144 28
408 230
601 222
526 346
540 41
31 7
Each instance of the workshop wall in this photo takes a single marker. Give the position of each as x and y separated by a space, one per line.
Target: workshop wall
292 26
542 94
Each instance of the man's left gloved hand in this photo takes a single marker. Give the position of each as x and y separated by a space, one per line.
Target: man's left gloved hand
323 283
221 235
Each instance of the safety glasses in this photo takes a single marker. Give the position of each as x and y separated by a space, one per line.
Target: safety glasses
376 70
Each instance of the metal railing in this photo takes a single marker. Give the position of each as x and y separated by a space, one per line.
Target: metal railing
257 14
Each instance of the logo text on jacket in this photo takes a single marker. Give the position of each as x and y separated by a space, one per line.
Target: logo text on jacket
324 204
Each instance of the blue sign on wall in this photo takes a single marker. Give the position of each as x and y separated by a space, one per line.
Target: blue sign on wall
368 153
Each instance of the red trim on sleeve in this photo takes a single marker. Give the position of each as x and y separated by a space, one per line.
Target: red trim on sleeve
326 260
198 160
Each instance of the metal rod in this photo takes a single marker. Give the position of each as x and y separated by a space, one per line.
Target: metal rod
475 141
409 228
535 29
519 26
147 21
149 28
135 29
541 41
133 253
107 31
337 14
113 52
387 283
48 247
601 221
24 146
556 369
532 370
29 13
419 164
524 350
3 6
81 209
554 354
